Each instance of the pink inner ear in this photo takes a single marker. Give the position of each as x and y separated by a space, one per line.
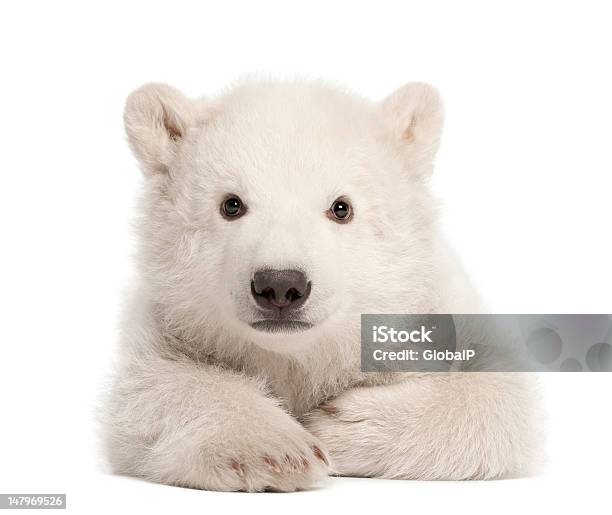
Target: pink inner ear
416 112
173 129
174 132
409 135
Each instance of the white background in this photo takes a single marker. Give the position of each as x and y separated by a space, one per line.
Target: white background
525 172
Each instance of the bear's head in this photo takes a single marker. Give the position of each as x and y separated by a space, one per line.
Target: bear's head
284 208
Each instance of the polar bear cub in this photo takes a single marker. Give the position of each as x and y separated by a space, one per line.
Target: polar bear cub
274 215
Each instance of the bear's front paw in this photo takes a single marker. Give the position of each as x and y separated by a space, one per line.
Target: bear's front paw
351 426
297 469
275 454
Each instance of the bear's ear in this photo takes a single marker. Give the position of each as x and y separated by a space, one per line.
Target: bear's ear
156 119
415 115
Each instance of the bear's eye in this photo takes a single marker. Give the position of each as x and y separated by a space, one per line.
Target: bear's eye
340 211
232 207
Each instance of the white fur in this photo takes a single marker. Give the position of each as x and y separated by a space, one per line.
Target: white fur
202 399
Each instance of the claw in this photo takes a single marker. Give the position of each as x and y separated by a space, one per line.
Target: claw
237 467
273 464
295 464
320 454
330 409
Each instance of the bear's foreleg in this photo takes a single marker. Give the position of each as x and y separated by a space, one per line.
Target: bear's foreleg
181 423
433 426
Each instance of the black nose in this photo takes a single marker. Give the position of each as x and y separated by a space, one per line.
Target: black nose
280 289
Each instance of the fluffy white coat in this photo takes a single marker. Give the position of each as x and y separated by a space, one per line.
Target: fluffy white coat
204 400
